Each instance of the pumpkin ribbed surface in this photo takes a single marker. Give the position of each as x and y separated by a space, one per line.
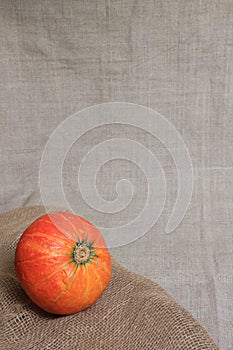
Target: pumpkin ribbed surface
62 263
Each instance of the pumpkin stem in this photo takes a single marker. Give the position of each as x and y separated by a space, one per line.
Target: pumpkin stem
82 253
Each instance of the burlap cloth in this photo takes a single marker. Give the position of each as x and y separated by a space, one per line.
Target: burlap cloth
133 313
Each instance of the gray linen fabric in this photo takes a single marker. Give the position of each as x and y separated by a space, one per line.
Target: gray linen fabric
58 57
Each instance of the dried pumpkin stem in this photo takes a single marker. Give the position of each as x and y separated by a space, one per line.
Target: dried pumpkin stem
81 253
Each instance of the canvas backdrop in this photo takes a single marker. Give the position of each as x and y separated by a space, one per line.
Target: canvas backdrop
58 57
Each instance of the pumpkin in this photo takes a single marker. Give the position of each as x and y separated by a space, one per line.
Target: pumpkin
62 263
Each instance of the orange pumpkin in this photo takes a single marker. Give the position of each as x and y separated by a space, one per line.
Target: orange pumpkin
62 263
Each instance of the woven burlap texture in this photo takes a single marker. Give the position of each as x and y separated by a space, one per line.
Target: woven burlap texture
133 313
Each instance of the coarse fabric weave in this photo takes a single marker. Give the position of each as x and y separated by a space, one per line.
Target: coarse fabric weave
133 313
58 57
